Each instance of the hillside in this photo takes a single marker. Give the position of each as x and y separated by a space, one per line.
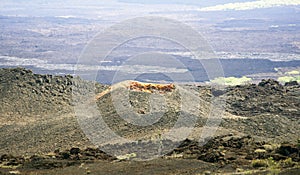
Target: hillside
38 116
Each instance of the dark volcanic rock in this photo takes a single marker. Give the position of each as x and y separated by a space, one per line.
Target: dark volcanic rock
25 93
74 151
267 97
291 83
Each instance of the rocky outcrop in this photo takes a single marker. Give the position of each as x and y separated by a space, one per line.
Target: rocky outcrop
267 97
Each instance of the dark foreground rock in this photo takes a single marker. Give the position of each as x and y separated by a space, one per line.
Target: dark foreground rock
228 153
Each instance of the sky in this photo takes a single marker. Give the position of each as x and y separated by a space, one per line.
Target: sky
200 3
251 5
119 9
205 5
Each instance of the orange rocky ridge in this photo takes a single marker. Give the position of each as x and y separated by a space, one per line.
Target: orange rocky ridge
150 88
140 87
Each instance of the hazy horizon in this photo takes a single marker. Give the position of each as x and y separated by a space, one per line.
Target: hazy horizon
50 36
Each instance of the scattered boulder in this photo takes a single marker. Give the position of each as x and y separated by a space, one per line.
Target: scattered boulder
74 151
289 150
291 83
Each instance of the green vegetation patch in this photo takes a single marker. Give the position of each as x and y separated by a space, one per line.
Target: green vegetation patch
294 72
285 79
231 81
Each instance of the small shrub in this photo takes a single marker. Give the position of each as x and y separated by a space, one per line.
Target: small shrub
274 167
288 162
272 163
126 156
259 163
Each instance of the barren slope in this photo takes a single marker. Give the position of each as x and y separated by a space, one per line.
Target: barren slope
38 116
